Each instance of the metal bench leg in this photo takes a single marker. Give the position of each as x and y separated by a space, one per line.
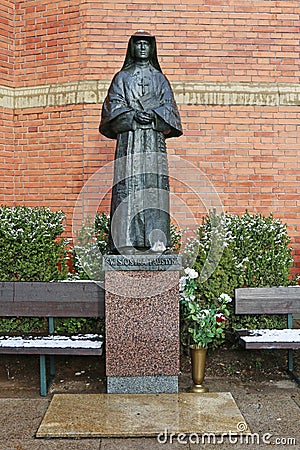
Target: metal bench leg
290 355
52 360
52 368
293 375
43 381
290 361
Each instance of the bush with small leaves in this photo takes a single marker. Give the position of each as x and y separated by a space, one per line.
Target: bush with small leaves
253 251
31 248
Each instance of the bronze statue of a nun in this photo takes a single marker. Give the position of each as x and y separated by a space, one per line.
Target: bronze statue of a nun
140 113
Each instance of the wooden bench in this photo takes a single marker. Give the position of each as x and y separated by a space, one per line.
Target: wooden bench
275 300
51 300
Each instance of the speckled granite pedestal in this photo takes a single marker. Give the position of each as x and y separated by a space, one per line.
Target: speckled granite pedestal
142 324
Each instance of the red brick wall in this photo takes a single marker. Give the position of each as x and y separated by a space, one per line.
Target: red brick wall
6 116
6 157
47 41
48 156
250 153
215 40
48 142
6 42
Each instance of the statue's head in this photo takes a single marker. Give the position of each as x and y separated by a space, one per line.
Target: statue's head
141 46
141 50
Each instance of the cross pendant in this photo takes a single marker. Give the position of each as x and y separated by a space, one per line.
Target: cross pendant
143 83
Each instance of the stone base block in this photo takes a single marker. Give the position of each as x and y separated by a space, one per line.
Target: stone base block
140 385
142 331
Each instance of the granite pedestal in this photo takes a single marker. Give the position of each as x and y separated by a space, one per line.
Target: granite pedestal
142 323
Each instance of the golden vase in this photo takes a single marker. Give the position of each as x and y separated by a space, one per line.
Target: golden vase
198 359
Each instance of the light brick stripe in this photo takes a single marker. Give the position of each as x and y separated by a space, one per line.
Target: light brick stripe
93 92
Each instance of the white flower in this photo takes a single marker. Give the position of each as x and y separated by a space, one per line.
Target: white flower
200 317
182 283
225 298
191 273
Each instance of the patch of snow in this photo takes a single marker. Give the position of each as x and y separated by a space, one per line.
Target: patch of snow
76 281
286 335
52 341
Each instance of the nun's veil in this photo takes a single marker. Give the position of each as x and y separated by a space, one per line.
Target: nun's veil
130 57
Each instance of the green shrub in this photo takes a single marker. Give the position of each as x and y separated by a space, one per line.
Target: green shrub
22 325
68 325
252 251
30 247
30 250
90 244
79 325
175 237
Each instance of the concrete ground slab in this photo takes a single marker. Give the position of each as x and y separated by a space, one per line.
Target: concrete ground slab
140 444
58 444
21 417
137 415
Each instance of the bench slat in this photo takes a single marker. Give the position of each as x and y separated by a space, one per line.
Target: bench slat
270 339
52 344
6 291
78 291
277 300
56 309
51 351
55 299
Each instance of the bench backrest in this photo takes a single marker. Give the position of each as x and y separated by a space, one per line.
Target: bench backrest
273 300
52 299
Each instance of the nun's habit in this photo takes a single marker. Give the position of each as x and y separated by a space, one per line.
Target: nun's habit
140 194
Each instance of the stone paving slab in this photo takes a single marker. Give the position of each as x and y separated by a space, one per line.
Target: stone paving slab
138 415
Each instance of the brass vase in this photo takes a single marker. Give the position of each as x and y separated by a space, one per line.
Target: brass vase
198 359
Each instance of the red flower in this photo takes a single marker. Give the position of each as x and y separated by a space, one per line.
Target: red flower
220 318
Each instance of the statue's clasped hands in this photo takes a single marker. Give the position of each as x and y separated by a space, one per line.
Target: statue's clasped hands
144 117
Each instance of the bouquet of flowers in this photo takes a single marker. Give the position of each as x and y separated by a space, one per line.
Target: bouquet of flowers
204 326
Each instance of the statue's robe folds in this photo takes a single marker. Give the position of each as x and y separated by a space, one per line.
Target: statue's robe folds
140 194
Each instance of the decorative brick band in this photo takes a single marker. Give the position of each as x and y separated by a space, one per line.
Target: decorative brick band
83 92
264 94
